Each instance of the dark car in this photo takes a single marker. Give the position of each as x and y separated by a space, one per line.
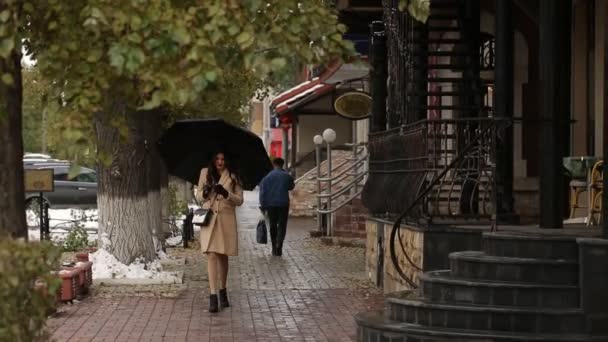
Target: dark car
78 191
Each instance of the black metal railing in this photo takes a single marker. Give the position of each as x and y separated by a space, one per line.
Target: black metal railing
405 161
448 167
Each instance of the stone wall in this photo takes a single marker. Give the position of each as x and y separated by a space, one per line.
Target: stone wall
428 248
413 241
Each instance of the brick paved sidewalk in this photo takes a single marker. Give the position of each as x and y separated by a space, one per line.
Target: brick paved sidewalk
310 294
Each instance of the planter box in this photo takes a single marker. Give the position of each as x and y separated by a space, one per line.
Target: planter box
81 279
70 280
82 257
87 268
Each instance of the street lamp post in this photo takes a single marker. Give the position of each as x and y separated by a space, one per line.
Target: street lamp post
329 135
318 140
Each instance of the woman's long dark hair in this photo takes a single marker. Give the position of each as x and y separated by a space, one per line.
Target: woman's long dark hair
213 176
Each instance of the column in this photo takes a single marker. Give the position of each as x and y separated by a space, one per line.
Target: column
605 136
503 106
285 141
555 57
294 147
378 73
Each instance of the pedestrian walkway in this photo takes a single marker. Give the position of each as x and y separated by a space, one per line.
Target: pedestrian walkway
309 294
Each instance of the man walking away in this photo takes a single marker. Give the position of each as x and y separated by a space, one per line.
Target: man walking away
274 202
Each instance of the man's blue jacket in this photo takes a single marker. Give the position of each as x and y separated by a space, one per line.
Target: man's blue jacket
274 189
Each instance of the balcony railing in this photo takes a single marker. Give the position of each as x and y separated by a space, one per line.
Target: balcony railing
446 166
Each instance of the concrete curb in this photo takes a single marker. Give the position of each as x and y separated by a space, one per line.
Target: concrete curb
178 278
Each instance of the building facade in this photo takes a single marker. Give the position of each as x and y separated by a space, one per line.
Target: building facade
468 192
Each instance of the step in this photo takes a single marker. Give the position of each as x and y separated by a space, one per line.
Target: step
446 107
409 308
440 41
524 245
458 67
441 287
446 80
439 93
452 16
374 326
479 265
444 29
443 53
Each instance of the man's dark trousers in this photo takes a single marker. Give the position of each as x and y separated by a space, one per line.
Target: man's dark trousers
278 227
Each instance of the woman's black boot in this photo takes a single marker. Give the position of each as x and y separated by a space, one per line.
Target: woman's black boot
224 299
213 307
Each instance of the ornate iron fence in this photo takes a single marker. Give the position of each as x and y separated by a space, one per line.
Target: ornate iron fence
451 162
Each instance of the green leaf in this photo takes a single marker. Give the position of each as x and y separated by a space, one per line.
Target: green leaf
6 47
278 63
8 79
94 55
154 102
5 15
243 38
211 76
181 35
233 29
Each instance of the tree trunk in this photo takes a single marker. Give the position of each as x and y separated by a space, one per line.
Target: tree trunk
164 196
12 197
155 219
122 195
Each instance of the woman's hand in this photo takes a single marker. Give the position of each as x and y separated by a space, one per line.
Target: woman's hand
219 189
207 190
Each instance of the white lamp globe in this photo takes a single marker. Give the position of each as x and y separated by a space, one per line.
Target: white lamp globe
317 139
329 135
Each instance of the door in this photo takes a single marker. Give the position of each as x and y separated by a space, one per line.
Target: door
64 194
85 184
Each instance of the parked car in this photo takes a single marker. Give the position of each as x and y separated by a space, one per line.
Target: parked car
78 191
43 156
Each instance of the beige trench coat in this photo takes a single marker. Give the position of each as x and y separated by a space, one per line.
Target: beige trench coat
221 235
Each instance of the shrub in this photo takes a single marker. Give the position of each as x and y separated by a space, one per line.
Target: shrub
177 207
24 307
76 240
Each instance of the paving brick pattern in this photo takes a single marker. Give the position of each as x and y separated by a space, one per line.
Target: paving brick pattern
310 294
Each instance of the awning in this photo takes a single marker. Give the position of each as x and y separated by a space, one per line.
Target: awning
283 102
302 97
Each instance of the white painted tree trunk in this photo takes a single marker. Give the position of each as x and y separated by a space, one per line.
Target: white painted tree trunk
123 227
124 217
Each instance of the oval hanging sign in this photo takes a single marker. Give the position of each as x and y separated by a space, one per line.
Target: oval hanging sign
354 105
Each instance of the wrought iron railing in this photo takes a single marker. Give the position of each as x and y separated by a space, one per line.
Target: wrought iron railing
408 159
435 170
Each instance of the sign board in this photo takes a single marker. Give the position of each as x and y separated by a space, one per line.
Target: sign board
354 105
39 180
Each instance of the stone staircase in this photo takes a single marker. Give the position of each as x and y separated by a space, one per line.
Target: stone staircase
519 288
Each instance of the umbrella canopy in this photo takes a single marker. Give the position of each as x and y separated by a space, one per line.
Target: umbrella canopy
189 145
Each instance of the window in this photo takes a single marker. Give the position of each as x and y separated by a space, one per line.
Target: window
486 51
88 176
60 174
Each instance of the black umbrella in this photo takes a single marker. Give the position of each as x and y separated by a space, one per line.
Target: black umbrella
189 145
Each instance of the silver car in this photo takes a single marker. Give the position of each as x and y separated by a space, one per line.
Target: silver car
78 191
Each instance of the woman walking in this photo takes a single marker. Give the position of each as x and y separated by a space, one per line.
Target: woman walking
220 190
